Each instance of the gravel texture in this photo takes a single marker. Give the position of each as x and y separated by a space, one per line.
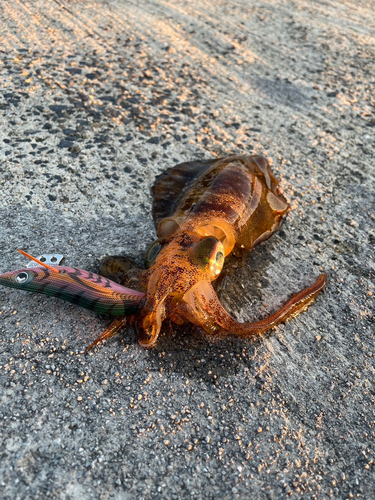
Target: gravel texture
96 99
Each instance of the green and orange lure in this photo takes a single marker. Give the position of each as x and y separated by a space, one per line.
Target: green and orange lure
203 211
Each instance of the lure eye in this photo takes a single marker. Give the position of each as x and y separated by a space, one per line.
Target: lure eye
152 252
21 277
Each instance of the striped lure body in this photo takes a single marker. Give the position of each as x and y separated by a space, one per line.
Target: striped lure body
76 286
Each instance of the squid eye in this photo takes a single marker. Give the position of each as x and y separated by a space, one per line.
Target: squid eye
152 252
219 257
22 277
209 254
204 250
217 261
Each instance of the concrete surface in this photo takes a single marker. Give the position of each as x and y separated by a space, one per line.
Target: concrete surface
96 99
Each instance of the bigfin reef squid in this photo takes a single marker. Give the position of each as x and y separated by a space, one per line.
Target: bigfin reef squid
203 211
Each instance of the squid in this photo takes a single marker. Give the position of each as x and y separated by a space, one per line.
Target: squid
203 211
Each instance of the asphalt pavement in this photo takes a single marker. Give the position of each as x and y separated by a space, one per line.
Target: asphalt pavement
97 99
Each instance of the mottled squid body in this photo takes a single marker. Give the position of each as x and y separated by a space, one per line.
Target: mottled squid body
203 211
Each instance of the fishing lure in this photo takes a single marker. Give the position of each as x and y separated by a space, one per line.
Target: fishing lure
203 210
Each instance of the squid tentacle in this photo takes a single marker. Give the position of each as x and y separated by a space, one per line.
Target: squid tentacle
203 303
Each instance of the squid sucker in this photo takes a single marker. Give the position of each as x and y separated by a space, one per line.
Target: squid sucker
203 211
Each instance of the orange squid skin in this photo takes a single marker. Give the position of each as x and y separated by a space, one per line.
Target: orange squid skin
203 211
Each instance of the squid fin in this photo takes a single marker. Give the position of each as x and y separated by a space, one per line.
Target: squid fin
169 186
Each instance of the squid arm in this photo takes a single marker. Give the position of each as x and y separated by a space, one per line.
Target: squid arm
205 310
112 330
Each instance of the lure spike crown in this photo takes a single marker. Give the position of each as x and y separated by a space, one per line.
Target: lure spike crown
38 261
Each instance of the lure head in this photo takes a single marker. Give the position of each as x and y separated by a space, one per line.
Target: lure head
32 280
24 279
185 260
